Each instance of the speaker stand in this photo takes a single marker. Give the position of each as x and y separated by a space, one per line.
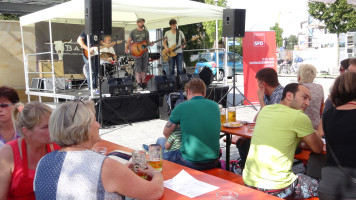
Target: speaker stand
234 84
101 99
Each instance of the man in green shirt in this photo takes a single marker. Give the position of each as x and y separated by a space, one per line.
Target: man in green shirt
279 129
199 120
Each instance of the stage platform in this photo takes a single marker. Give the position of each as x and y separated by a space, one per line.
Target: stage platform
135 107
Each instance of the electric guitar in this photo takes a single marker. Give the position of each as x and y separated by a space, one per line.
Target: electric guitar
137 49
166 56
95 49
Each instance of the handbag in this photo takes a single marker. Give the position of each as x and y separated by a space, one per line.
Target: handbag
340 167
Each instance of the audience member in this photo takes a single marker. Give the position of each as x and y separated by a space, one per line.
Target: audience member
279 129
344 65
339 173
173 143
8 99
352 65
306 76
78 172
199 120
19 158
269 92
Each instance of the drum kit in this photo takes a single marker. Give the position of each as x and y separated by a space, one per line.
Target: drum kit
119 69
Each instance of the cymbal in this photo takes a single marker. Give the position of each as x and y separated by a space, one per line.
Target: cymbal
106 55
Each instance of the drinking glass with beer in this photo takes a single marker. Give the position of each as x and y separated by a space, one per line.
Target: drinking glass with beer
223 115
139 161
231 112
155 156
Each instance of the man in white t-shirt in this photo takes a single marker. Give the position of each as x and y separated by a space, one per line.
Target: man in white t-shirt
107 47
173 38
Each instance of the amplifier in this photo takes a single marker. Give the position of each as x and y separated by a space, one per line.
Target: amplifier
117 86
47 83
162 83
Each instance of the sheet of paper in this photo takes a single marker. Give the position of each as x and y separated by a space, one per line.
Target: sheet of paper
185 184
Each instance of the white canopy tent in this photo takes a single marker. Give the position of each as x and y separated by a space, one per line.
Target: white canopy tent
156 13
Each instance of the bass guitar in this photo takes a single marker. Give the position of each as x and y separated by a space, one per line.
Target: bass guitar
137 49
95 49
172 50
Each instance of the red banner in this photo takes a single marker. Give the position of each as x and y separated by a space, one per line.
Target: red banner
259 51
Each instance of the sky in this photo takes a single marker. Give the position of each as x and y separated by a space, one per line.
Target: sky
262 14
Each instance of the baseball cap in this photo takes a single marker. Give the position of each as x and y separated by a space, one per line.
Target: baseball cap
139 20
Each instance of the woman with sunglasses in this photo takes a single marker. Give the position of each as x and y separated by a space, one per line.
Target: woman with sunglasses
77 172
19 158
8 98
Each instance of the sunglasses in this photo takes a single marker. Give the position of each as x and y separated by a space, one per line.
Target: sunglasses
76 108
6 105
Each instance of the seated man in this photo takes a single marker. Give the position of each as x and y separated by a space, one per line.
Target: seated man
199 121
279 128
269 92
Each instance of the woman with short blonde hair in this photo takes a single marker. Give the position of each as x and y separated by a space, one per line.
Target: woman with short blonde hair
19 158
306 73
77 171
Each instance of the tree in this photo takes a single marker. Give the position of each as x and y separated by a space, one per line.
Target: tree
338 17
210 26
290 42
279 32
9 17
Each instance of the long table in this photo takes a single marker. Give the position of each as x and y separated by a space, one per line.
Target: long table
171 169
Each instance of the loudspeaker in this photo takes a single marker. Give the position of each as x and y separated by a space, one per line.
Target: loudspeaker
93 17
117 86
107 17
234 22
206 75
162 83
182 79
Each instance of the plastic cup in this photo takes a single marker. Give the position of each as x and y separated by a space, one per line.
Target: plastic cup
227 195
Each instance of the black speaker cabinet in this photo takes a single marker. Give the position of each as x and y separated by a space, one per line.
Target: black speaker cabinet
117 86
93 17
182 80
107 17
234 22
162 83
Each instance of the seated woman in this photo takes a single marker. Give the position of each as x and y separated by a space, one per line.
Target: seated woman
340 134
77 172
8 99
19 158
306 76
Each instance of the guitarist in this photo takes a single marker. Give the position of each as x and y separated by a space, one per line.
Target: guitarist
107 47
174 38
82 41
138 35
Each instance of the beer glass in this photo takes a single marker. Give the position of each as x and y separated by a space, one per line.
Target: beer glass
139 161
223 115
226 195
155 156
231 112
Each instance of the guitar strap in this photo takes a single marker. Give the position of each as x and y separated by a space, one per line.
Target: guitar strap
177 35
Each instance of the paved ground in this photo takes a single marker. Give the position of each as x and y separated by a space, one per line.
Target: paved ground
148 131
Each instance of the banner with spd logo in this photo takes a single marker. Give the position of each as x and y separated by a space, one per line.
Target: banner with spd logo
259 51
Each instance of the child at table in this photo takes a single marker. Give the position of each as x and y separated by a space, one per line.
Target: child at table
174 142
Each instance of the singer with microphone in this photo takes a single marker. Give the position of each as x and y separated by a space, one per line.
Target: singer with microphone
138 35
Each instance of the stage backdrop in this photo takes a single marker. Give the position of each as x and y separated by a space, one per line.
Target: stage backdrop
65 46
259 51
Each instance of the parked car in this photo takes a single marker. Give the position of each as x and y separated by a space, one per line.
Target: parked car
209 60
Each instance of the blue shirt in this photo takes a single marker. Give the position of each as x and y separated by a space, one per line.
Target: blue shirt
275 97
